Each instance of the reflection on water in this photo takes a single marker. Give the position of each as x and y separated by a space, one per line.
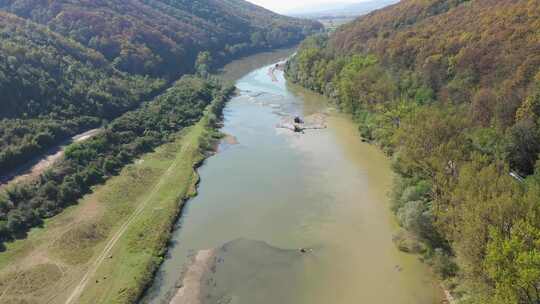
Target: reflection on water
291 191
239 68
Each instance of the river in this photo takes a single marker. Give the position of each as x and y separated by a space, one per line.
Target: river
276 191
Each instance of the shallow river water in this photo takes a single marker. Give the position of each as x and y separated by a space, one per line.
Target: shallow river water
276 191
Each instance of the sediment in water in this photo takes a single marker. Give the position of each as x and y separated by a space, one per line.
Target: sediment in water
190 289
231 272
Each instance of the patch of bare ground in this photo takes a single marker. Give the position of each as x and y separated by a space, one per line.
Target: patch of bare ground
230 140
226 142
33 279
296 124
189 291
76 246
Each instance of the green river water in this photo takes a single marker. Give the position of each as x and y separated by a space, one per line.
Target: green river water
275 191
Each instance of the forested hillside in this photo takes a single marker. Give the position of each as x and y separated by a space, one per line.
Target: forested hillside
163 37
67 66
450 89
53 88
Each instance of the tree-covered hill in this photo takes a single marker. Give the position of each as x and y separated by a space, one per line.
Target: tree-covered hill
163 37
450 89
70 65
52 88
458 46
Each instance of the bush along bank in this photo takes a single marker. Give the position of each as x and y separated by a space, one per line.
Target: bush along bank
25 205
467 191
193 148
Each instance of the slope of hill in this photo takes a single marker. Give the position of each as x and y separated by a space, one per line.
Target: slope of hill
90 61
450 88
163 37
477 40
53 88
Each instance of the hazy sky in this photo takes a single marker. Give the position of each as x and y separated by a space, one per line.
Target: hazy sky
283 6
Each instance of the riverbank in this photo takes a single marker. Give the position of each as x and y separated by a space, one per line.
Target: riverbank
190 290
404 241
323 189
106 248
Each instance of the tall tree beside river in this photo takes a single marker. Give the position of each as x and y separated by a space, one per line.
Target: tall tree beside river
442 86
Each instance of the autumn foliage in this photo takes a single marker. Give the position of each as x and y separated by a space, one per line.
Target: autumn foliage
160 37
451 90
67 66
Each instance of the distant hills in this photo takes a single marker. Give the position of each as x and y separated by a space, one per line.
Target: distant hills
341 9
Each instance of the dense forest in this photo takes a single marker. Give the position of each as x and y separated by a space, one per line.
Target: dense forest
68 66
451 90
162 38
53 88
86 164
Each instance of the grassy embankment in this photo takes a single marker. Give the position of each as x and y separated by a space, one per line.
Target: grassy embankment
108 246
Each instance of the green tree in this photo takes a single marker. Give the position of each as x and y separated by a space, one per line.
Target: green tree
513 263
203 64
484 196
530 108
523 146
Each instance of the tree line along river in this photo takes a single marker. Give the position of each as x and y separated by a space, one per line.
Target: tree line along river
270 192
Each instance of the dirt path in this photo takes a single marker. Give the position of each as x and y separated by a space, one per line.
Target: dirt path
449 298
40 254
112 242
37 166
60 262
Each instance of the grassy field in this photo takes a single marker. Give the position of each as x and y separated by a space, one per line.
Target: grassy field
105 249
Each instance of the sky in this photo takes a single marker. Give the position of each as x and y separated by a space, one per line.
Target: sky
286 6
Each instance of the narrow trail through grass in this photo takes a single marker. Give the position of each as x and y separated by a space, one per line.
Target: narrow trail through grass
106 248
80 287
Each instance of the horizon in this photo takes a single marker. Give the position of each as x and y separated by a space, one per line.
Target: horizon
287 6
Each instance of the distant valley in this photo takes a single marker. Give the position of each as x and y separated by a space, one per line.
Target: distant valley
343 10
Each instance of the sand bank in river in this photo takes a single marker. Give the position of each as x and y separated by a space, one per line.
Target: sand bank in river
311 122
243 271
226 142
190 289
230 140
